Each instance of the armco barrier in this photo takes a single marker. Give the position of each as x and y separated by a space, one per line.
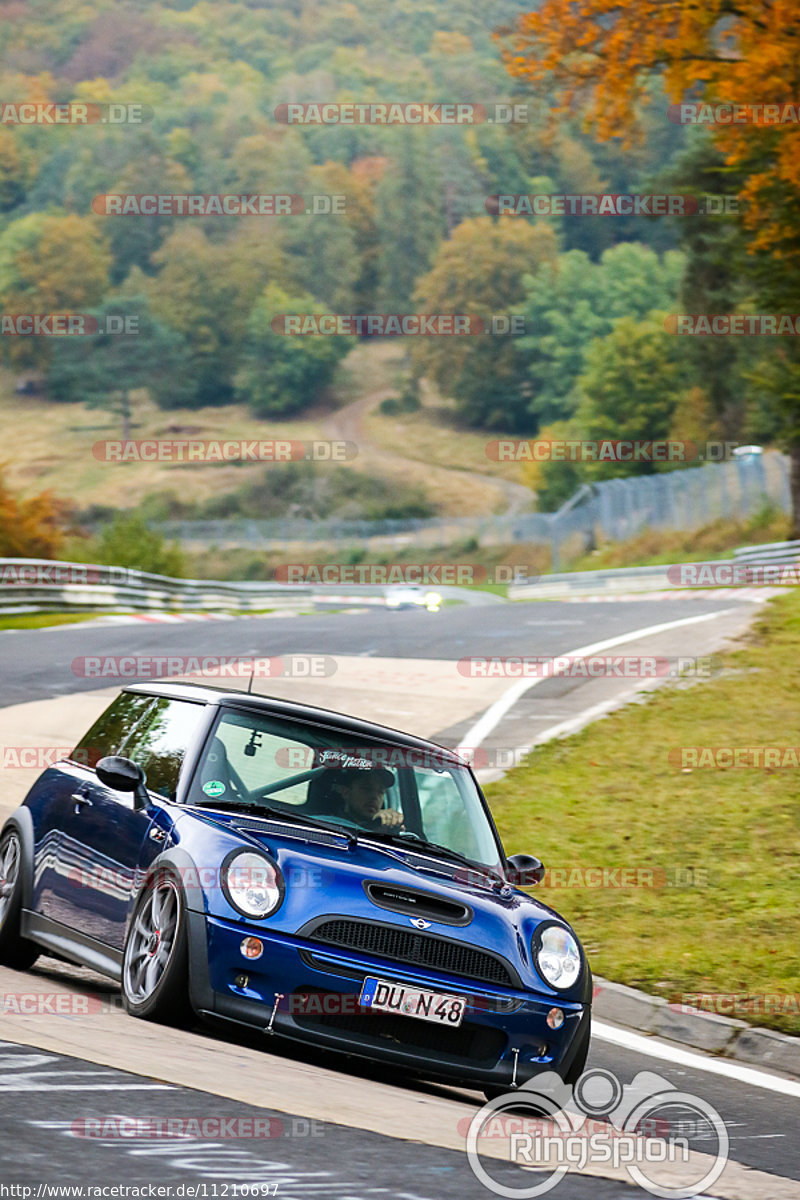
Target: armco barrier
40 585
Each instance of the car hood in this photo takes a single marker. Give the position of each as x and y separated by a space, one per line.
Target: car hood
326 877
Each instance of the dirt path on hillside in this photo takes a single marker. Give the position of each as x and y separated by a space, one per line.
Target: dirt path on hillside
459 492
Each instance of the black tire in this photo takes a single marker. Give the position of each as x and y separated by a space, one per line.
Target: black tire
155 983
573 1071
15 951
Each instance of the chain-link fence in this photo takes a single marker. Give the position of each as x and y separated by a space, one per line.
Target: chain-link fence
611 511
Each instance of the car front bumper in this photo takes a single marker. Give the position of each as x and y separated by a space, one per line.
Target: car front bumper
309 991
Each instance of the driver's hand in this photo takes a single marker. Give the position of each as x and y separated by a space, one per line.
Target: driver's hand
388 818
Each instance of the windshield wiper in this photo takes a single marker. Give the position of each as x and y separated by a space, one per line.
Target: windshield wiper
413 840
269 811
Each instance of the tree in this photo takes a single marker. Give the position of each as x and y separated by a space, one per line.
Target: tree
410 220
129 542
572 301
106 368
49 263
32 528
205 291
481 272
282 374
600 57
630 388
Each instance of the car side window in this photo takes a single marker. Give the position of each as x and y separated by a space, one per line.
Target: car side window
444 814
111 730
158 742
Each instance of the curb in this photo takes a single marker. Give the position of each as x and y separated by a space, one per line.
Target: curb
725 1036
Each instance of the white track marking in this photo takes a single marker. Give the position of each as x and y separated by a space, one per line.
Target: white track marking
495 713
639 1043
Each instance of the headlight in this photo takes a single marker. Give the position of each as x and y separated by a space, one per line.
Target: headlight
557 956
252 883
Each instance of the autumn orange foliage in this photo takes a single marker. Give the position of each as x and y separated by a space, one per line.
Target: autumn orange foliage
32 528
597 55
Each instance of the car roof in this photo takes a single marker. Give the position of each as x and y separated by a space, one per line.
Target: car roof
277 706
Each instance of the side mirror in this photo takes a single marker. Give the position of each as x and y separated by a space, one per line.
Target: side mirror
123 775
523 870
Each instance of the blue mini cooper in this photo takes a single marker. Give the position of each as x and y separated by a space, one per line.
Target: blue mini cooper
298 871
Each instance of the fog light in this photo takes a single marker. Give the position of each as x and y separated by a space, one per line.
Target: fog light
555 1018
241 981
251 947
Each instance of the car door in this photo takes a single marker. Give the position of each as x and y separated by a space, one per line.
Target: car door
56 793
108 842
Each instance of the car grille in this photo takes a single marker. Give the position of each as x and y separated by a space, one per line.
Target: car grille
478 1044
422 950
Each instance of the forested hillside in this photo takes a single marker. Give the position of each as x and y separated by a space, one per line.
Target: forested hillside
412 233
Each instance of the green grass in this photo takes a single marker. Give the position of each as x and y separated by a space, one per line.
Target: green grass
610 797
656 547
45 620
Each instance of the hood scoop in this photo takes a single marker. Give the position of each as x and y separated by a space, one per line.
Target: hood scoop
414 903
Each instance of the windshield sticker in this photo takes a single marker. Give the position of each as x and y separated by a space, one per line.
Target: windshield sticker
214 787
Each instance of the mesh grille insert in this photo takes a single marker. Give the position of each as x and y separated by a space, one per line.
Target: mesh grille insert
407 946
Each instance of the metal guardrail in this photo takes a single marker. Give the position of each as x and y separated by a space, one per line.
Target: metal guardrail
769 552
41 585
641 579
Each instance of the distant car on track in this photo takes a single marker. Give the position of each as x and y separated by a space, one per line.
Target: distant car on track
306 873
411 595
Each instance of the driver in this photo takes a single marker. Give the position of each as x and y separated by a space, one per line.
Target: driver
363 794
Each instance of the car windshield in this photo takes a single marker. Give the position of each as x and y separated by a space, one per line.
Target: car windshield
401 793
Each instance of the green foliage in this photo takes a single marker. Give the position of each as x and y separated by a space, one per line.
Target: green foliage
130 351
129 542
304 490
283 373
407 402
481 272
573 301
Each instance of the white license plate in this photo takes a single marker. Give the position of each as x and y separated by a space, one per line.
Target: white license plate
382 996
